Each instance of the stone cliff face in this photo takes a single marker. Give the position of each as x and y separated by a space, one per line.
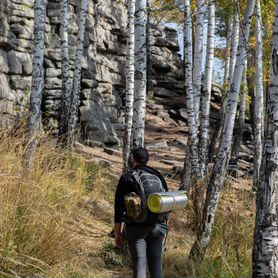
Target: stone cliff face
103 69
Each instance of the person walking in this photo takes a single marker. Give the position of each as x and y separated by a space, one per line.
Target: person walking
145 235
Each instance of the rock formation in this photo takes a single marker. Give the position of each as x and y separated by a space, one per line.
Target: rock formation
103 69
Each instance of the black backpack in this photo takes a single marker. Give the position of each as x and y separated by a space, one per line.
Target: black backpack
145 184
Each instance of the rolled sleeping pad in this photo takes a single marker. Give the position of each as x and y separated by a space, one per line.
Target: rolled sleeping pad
167 201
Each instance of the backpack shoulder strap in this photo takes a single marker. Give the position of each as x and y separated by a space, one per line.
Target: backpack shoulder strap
138 180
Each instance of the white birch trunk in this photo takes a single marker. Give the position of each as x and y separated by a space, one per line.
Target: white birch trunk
265 253
259 98
241 117
138 125
37 84
197 61
192 168
75 98
232 59
66 80
228 50
220 167
129 83
204 138
234 46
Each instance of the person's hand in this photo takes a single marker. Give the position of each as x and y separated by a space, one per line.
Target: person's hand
119 237
119 240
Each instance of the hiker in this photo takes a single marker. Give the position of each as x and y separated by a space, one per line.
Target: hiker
145 236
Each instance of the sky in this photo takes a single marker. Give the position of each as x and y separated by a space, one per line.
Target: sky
220 42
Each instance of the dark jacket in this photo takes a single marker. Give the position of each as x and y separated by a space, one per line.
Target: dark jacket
125 186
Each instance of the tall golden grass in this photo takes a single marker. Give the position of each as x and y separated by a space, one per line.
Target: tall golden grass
52 226
36 209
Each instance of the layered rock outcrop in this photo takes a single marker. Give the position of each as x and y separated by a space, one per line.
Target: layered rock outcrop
103 69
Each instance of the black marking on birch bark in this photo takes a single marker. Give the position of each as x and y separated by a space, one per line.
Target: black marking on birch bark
275 61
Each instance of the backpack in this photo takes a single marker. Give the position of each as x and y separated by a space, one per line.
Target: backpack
136 202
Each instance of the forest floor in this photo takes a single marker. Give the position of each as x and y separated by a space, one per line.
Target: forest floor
56 221
230 251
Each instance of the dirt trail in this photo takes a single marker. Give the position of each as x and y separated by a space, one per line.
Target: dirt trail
165 141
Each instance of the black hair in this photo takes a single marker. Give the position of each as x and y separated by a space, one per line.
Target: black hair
140 155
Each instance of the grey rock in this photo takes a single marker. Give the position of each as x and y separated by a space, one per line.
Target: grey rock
53 55
98 124
93 144
158 145
48 63
5 91
118 126
4 66
51 105
163 114
181 143
89 83
53 94
15 63
53 40
19 82
27 13
105 88
162 92
183 114
53 12
22 44
53 83
53 72
22 31
112 152
4 27
6 107
161 63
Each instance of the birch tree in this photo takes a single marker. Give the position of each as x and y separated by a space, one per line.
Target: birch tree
191 165
234 46
228 49
37 83
220 167
198 55
75 98
129 83
229 74
138 125
66 79
205 125
259 97
241 118
265 252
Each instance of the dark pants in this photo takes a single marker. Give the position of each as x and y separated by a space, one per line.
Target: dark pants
147 250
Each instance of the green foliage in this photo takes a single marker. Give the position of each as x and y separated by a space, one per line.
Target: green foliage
167 11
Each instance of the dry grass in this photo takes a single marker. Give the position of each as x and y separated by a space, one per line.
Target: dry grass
54 222
38 210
